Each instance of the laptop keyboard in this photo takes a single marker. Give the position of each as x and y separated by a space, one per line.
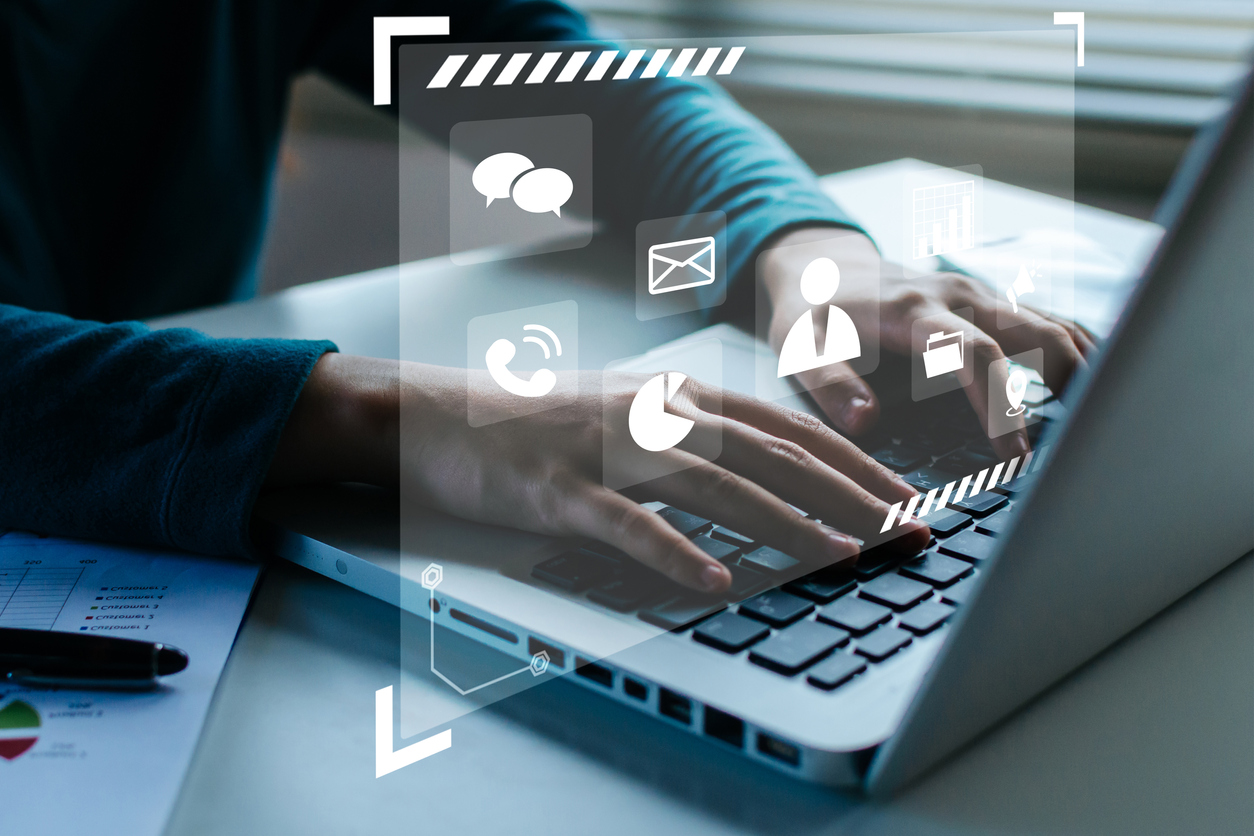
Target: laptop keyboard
833 624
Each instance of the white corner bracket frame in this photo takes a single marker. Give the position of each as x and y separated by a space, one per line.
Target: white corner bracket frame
386 760
1060 19
386 28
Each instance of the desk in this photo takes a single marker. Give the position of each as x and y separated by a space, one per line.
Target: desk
1155 736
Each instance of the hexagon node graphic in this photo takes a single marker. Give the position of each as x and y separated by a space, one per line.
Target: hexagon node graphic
539 663
432 575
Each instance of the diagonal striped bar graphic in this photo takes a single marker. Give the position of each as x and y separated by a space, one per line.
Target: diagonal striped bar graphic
681 63
573 66
629 64
729 63
513 67
892 515
447 70
927 503
602 65
962 488
1010 470
655 63
944 497
707 60
543 67
480 70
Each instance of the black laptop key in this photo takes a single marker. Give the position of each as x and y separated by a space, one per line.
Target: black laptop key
683 522
730 633
797 647
926 478
631 590
883 643
936 569
716 549
926 617
767 559
681 611
969 546
737 539
835 671
947 522
895 591
608 552
995 524
983 504
574 570
854 614
745 582
899 457
777 608
962 462
876 561
958 594
823 586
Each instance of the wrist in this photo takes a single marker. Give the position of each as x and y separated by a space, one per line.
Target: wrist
344 426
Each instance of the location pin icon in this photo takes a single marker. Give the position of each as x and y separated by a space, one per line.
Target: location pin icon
1016 388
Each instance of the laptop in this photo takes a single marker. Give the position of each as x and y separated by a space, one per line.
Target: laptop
1140 487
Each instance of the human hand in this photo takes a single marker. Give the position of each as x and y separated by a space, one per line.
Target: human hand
543 472
893 305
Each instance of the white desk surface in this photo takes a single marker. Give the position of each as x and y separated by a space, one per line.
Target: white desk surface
1156 736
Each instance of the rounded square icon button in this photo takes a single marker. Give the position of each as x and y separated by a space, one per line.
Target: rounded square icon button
681 264
1024 285
521 362
519 187
640 435
1007 387
820 283
940 353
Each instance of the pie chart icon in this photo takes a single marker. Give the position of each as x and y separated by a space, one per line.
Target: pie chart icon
651 426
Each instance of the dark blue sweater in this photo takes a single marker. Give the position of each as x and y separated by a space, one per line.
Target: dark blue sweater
137 148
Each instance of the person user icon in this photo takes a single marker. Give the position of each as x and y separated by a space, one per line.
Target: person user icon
819 282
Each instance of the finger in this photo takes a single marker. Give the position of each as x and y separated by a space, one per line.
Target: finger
792 473
729 499
844 397
818 439
612 518
990 375
1063 357
1084 338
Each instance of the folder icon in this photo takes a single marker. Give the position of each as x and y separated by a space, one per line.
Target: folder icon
681 265
944 353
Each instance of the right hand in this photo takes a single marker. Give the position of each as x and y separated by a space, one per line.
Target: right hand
543 472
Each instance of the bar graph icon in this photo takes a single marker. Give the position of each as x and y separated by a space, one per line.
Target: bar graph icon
943 218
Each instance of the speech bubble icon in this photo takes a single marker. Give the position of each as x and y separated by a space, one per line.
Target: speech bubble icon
543 190
493 177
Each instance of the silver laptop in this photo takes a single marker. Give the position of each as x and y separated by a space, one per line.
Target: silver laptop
1141 487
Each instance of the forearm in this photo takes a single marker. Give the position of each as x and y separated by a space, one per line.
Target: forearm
118 432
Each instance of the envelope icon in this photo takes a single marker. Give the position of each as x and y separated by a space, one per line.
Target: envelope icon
680 265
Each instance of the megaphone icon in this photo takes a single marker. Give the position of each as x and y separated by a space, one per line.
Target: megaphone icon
1022 284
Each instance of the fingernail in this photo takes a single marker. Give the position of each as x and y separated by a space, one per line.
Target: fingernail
853 411
841 547
714 578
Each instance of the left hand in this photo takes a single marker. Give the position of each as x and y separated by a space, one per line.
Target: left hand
846 398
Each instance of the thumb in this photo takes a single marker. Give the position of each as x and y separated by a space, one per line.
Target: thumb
844 397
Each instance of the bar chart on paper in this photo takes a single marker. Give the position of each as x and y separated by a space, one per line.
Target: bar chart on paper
943 218
32 597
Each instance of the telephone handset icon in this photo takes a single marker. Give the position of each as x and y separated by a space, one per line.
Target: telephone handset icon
502 351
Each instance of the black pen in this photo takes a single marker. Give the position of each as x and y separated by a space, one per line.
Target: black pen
44 659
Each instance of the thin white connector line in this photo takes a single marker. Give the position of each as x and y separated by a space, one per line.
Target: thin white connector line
451 683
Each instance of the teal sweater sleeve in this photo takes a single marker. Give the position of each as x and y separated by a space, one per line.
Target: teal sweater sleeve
118 432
